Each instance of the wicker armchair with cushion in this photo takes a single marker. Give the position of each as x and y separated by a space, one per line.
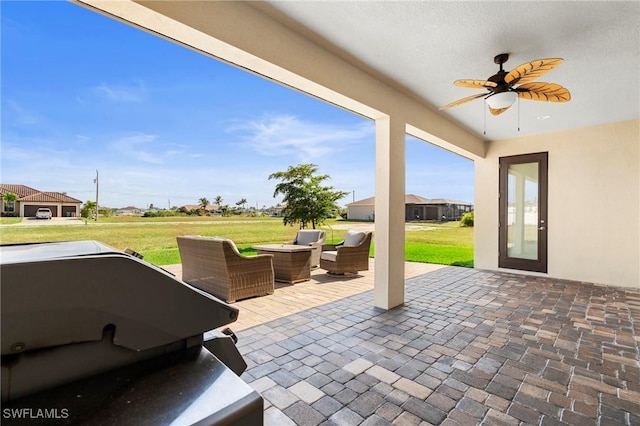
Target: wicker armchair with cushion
313 238
351 255
214 265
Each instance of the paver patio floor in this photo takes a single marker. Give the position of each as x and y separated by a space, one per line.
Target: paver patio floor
467 347
321 289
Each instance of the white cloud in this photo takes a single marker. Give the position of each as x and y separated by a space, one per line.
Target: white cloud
148 148
134 147
119 93
21 115
44 166
287 135
14 153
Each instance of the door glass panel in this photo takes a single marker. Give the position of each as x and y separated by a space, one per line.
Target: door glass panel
522 213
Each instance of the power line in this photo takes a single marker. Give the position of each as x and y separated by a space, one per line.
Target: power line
142 194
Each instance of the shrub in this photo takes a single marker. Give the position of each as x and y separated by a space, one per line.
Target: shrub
163 213
467 219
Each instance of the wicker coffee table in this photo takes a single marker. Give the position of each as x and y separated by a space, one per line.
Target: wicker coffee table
291 263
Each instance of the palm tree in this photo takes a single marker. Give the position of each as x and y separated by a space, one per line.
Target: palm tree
204 203
243 203
9 199
218 203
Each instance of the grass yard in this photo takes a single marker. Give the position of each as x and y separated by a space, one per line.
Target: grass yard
443 243
10 220
155 238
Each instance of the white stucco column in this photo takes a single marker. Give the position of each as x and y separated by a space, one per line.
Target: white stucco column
389 213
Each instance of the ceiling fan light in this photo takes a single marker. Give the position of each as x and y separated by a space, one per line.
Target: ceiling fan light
502 100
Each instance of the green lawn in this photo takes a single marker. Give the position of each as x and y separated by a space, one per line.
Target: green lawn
155 238
10 220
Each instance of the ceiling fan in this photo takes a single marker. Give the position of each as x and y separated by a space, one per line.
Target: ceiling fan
505 87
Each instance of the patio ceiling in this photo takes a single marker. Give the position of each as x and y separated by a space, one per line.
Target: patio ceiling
422 47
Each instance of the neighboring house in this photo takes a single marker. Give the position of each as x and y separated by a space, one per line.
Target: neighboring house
275 210
30 200
129 211
211 208
441 209
416 208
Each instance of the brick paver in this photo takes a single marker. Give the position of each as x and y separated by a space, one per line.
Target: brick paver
467 347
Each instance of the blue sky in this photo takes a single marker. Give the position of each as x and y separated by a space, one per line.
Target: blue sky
166 126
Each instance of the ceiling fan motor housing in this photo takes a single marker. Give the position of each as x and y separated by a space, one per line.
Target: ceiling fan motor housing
498 78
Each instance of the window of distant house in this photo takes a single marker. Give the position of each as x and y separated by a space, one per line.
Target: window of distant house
9 206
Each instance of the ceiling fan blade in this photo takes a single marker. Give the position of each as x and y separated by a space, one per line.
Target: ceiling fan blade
497 111
548 92
531 70
475 84
463 101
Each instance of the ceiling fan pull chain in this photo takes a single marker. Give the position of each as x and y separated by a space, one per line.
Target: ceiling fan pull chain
518 113
484 116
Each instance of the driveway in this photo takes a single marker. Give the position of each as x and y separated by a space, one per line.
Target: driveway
32 221
369 227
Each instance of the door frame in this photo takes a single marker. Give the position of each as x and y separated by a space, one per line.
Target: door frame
504 261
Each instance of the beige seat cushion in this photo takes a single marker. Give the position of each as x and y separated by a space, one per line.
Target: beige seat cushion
306 237
353 238
329 255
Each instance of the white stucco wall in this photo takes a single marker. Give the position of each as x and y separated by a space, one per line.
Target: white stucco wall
360 212
594 202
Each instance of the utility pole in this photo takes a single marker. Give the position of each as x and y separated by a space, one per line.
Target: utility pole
96 182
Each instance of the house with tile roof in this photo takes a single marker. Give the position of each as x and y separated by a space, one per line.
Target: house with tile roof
30 200
416 208
211 208
129 211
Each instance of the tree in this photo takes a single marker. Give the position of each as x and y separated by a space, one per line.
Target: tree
88 208
306 199
9 199
204 203
467 219
218 203
243 203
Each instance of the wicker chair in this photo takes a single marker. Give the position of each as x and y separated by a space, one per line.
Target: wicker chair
214 265
313 238
351 255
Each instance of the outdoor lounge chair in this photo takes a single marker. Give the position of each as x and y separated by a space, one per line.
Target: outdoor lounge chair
215 265
351 255
313 238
